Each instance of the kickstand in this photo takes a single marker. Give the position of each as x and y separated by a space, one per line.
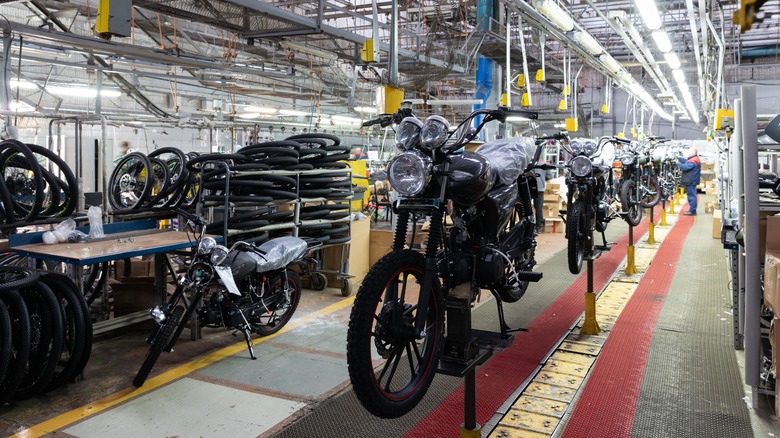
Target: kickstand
248 337
505 329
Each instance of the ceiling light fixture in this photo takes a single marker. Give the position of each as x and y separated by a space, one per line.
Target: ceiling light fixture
555 14
662 41
589 43
259 109
672 60
610 62
20 107
293 113
22 84
80 91
366 109
679 76
648 10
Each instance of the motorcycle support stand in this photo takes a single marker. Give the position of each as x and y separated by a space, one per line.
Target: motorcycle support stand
589 324
651 228
630 264
663 222
464 350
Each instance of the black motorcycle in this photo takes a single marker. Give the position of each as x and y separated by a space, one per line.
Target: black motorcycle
638 180
246 288
397 320
590 198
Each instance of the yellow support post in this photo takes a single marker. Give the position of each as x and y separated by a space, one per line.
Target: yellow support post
671 204
630 264
651 233
589 325
663 222
465 433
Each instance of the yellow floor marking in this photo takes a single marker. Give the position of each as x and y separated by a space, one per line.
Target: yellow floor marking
67 418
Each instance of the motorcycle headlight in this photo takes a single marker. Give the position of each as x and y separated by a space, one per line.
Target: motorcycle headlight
581 166
206 245
409 173
407 135
435 132
576 147
589 147
628 159
218 254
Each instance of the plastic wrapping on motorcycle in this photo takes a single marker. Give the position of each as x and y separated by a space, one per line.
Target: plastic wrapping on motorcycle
509 157
279 253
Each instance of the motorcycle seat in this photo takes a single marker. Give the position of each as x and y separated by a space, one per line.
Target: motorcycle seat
278 253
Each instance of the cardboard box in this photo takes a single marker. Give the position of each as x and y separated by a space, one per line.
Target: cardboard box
771 283
134 295
709 207
551 189
380 243
551 198
138 268
769 231
711 191
553 225
716 224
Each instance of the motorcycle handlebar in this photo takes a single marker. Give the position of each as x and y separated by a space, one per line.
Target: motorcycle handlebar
189 216
620 140
546 166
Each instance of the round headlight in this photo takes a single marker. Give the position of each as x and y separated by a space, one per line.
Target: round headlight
409 173
435 132
628 159
218 255
407 135
576 147
206 245
590 147
581 166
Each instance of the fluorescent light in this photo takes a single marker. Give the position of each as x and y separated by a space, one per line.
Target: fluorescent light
589 43
446 102
517 119
346 119
20 107
556 14
662 41
250 116
259 109
366 109
672 60
679 76
649 13
81 91
610 63
559 125
288 112
22 84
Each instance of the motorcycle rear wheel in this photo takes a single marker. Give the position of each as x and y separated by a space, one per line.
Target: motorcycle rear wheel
269 324
381 327
651 192
158 342
576 235
630 203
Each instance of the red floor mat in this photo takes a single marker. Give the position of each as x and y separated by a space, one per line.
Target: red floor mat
608 402
504 373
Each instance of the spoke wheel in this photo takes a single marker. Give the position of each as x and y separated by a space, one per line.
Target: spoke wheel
159 342
629 201
651 193
281 305
390 366
131 182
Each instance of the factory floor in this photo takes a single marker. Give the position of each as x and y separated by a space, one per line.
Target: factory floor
661 365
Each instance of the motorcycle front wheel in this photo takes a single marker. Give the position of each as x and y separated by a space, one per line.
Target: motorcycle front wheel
576 235
630 203
651 193
159 340
381 331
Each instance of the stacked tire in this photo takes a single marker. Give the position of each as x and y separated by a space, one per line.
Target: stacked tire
45 332
37 184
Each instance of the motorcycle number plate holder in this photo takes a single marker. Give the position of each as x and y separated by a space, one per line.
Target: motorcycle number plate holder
226 275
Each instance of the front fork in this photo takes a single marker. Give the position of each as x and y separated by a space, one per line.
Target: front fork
430 271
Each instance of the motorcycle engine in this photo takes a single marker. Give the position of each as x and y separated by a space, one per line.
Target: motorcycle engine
210 314
603 211
490 267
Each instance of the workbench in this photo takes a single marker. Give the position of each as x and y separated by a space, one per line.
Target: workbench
122 240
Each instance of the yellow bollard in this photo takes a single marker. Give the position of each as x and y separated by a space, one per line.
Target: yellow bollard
671 205
465 433
663 222
651 233
589 325
630 265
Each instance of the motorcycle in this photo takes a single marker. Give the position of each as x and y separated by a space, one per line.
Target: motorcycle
590 196
399 309
638 175
246 288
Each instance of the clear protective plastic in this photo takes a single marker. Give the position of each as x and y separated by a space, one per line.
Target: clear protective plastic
278 253
95 216
509 157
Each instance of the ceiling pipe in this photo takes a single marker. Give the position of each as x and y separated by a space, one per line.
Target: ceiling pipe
697 54
721 55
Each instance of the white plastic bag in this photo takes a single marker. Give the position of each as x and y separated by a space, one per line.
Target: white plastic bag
63 229
95 216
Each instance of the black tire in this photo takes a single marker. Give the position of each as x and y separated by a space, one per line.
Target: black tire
74 332
5 339
577 236
158 343
389 399
629 202
20 346
68 204
651 191
17 277
46 339
18 154
318 281
132 174
346 287
268 324
178 176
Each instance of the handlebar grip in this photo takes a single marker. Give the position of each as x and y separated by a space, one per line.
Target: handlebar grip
546 166
621 140
188 216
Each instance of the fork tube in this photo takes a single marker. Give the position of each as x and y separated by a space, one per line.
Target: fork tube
430 269
194 303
